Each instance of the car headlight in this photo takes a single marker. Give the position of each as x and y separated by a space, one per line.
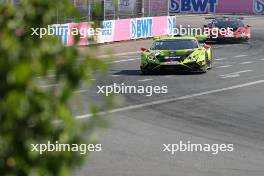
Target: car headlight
151 57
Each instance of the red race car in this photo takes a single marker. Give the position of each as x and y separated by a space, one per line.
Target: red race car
227 29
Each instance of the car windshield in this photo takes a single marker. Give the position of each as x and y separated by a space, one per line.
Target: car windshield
174 45
230 23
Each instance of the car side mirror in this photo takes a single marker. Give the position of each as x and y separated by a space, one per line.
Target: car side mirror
206 46
143 49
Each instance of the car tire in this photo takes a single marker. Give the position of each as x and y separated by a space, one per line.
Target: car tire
210 65
207 65
204 68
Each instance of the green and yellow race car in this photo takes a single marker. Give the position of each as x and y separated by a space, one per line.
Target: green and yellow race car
177 53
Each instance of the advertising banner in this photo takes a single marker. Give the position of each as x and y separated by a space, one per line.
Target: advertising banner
141 28
137 28
217 6
107 32
235 6
116 30
83 29
171 25
152 26
193 6
122 30
160 25
258 7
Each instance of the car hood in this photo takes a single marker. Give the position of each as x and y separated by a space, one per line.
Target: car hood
185 52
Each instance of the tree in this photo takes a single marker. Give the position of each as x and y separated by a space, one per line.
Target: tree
30 114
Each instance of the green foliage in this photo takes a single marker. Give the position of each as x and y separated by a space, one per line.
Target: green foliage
29 113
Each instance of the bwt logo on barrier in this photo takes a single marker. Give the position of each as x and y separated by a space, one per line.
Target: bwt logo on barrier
141 28
258 6
171 25
198 6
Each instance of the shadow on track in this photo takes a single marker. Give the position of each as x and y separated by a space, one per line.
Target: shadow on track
226 42
158 73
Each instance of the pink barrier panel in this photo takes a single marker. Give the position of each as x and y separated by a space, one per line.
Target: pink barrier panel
160 25
122 30
137 28
83 29
119 30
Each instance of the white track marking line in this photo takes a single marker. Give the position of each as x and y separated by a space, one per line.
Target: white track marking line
238 56
243 63
125 60
80 91
243 71
132 107
231 76
121 54
56 85
223 46
51 76
132 59
49 85
217 47
48 76
145 80
117 61
115 75
262 59
257 76
224 66
219 59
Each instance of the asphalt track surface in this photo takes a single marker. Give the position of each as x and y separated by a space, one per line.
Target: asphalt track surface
225 105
